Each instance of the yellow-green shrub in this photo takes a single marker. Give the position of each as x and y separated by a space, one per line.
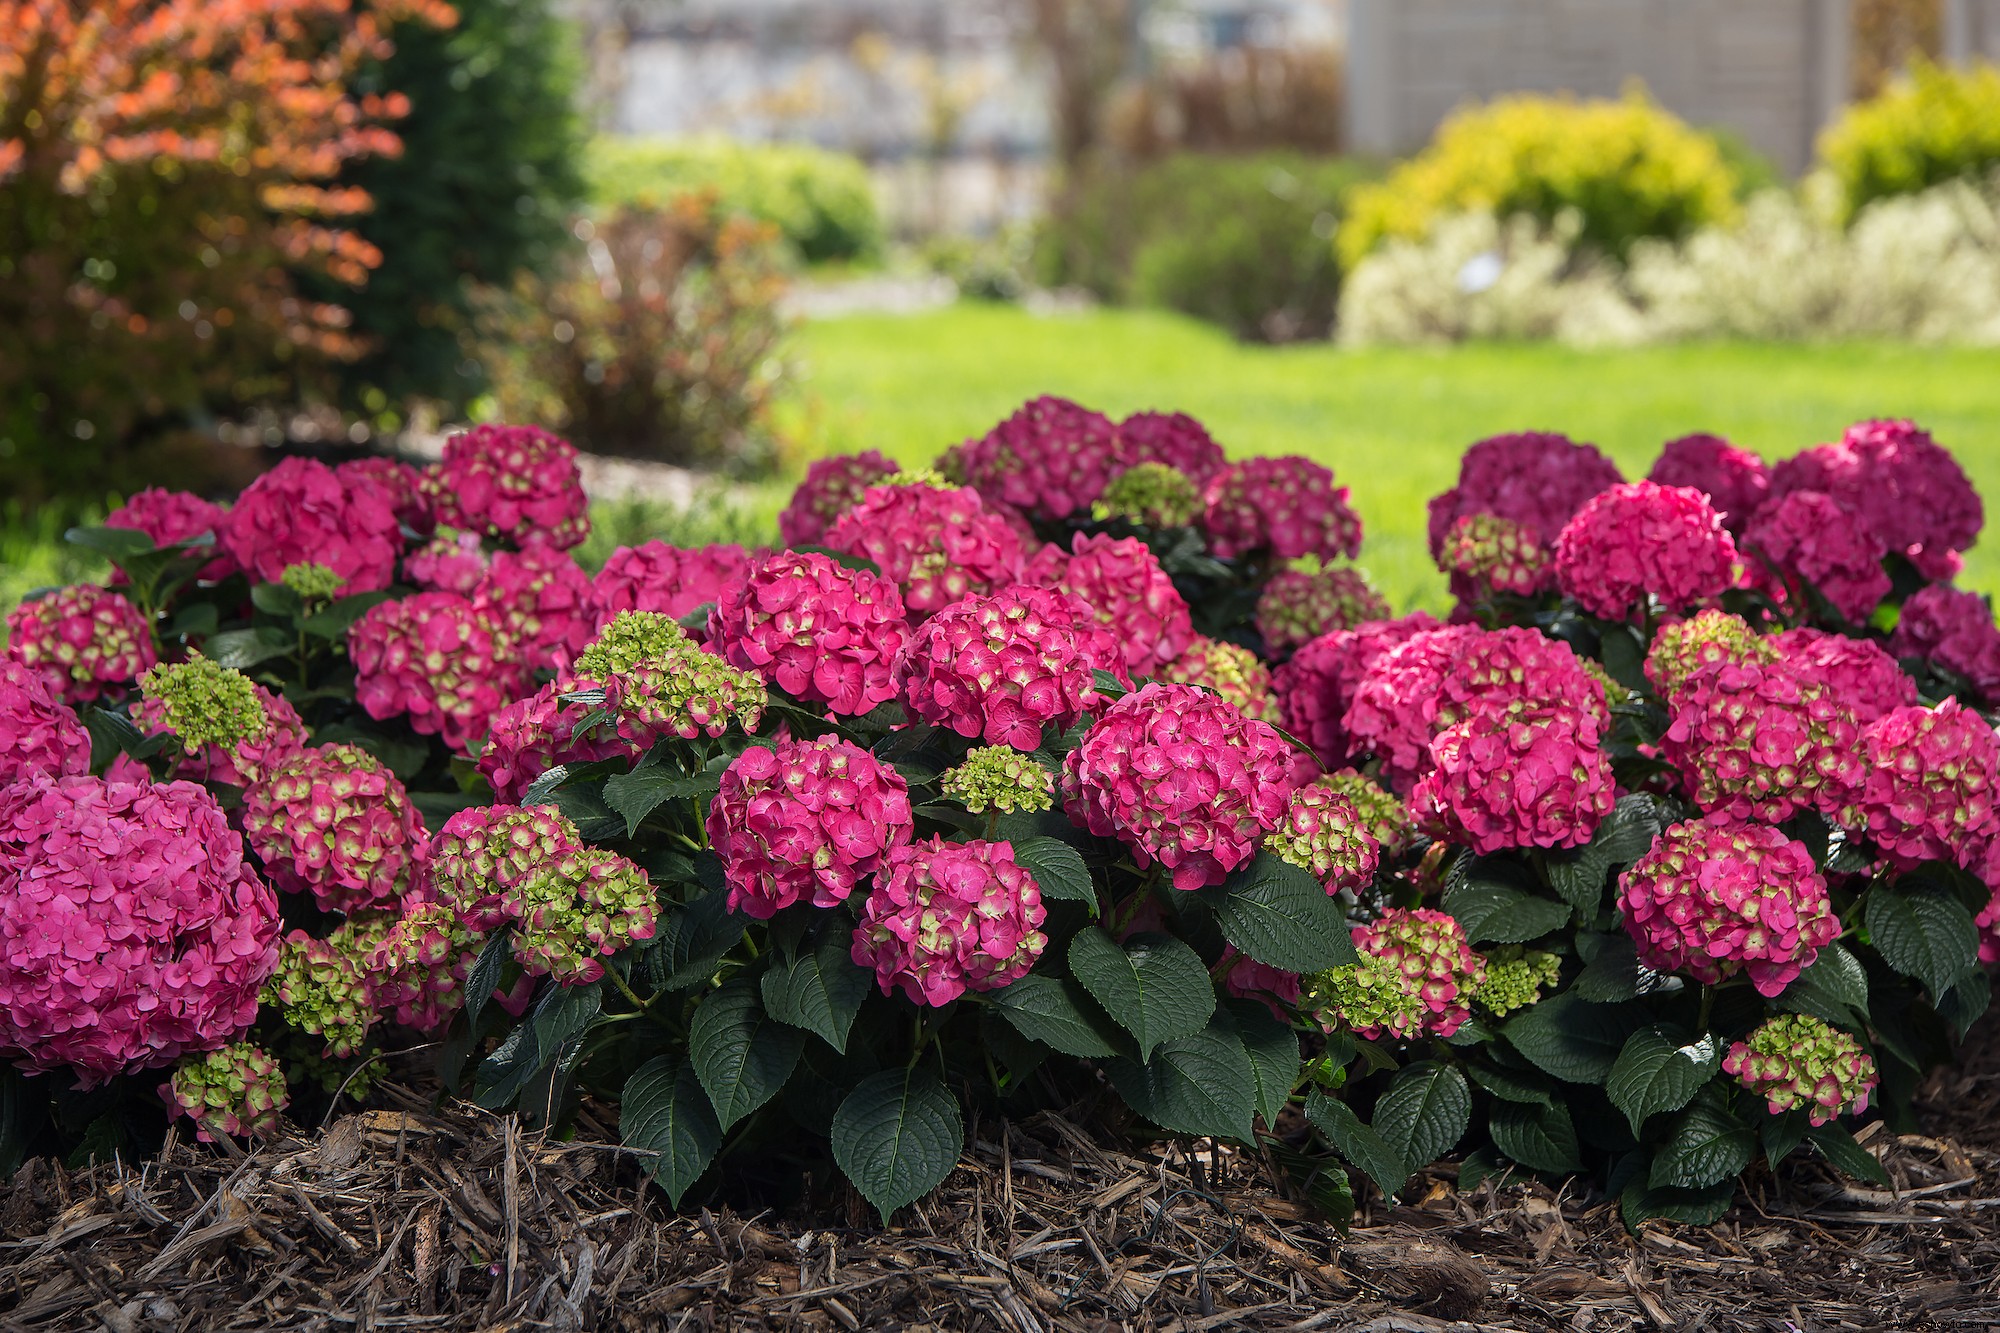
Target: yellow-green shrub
1936 125
1628 168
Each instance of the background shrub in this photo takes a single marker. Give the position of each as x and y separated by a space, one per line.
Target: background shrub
1628 168
821 202
1936 125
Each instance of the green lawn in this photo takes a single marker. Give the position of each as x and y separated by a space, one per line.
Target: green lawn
1390 422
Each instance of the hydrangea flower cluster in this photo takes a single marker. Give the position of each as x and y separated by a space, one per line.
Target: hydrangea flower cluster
1151 494
1378 811
994 777
1908 489
1299 605
513 483
1416 978
1316 687
402 483
315 584
1182 778
1002 668
658 681
666 579
132 930
322 987
448 563
1708 638
1171 439
577 910
201 704
1232 671
816 629
832 486
1538 480
1736 481
1323 835
1863 677
1810 536
482 856
1288 505
419 970
238 1091
173 517
531 736
332 821
1796 1061
1953 628
1930 786
1049 460
1533 779
1517 982
1764 740
541 599
1639 541
1487 554
937 544
1121 581
39 733
83 641
945 918
1247 979
1715 897
438 659
803 822
302 512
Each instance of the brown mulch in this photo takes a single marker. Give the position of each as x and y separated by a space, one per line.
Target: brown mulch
398 1219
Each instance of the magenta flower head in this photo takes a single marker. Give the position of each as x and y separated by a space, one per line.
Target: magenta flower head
1416 978
1715 897
173 517
1131 596
513 483
1796 1061
938 544
1316 686
1952 627
1538 480
1486 554
1809 536
1183 779
436 658
83 641
1323 835
831 488
1641 540
531 736
1862 676
1232 671
803 822
1299 605
1929 790
1526 779
1381 814
332 821
1764 740
667 579
1049 460
658 681
302 512
132 930
1908 489
419 970
1002 668
541 599
238 1091
1736 481
1682 648
948 917
1171 439
39 733
816 629
402 483
1287 505
448 563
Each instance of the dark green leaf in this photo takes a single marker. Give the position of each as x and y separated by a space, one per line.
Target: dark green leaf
242 649
1480 1166
1318 1180
558 1019
1424 1112
845 559
1706 1147
1839 1148
1514 1085
1500 913
1614 974
543 789
642 791
1660 1069
1782 1134
193 621
665 1112
897 1136
1199 1084
1059 1013
1923 935
693 939
1834 988
1108 685
1625 835
1281 916
1699 1208
1274 1055
819 991
332 622
742 1054
1154 985
1360 1145
275 599
1541 1138
1573 1039
117 544
1058 871
438 806
1967 1001
484 978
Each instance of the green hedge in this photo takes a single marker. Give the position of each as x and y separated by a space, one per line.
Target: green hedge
1936 125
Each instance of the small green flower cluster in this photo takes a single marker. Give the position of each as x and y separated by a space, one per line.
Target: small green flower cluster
203 703
238 1090
1150 493
313 583
1516 982
994 777
655 675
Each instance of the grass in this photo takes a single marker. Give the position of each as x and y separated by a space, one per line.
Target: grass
1390 422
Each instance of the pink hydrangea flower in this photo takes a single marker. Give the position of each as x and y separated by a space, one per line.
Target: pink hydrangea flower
238 1091
332 821
1715 897
515 483
1736 481
1049 460
816 629
1906 487
1954 629
1299 605
1004 667
1323 834
1534 779
448 564
831 488
483 855
1797 1061
948 917
1988 920
302 512
1538 480
436 658
803 822
1316 686
574 912
1174 439
530 736
403 484
938 545
1641 540
1232 671
1123 585
1183 779
1487 554
1247 979
1764 740
1863 677
1378 811
1045 568
420 968
244 762
172 517
1929 790
1810 536
132 930
541 599
1416 978
1287 505
668 579
39 733
1682 648
83 641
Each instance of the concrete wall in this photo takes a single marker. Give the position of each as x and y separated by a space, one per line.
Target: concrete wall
1972 29
1772 70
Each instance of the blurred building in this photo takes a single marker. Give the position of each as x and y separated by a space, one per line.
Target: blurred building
1971 30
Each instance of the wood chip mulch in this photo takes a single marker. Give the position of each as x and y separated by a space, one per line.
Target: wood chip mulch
400 1219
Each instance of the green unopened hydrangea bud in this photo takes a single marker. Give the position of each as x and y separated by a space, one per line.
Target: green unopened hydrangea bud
1797 1061
313 583
995 777
1515 982
1232 671
321 986
918 476
655 675
1381 812
238 1090
204 704
1151 494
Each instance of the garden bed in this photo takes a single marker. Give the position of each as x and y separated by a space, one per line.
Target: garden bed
400 1218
